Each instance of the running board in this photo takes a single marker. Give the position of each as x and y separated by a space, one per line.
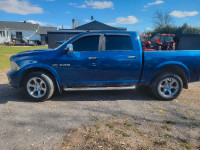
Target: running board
100 88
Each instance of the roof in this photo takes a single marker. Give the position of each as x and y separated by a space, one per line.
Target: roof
9 25
18 25
166 34
82 32
96 25
44 30
110 32
144 35
66 30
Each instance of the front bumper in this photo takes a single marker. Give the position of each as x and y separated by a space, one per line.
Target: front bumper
13 78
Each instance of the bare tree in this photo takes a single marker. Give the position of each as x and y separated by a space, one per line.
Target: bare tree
162 19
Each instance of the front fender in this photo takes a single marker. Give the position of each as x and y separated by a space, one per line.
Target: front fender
168 64
44 67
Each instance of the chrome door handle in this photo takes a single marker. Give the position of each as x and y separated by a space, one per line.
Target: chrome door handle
92 58
131 57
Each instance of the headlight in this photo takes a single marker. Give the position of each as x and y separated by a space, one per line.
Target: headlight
14 66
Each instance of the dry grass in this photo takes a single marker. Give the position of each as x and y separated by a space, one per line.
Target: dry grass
190 96
124 134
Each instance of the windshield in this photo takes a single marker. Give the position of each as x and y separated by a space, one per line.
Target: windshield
63 45
166 39
144 39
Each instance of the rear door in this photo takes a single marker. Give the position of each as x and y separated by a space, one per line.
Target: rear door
120 60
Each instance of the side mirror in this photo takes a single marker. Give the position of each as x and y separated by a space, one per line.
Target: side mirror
68 49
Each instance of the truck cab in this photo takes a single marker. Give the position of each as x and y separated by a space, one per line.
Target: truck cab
97 59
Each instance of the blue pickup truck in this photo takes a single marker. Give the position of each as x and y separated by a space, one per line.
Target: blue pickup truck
103 61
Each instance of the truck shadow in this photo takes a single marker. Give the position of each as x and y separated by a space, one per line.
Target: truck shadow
141 94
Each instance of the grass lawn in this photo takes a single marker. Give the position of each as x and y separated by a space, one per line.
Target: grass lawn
7 51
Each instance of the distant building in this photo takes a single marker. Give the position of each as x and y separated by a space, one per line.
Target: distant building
23 32
66 34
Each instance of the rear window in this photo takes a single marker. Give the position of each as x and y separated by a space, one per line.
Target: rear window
118 42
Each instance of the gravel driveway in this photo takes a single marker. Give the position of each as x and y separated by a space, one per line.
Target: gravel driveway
30 125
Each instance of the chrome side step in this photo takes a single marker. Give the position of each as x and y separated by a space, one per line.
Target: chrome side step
99 88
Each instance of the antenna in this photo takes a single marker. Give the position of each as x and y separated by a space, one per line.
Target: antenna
92 18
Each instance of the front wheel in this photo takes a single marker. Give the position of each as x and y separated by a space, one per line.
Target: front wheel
167 86
38 86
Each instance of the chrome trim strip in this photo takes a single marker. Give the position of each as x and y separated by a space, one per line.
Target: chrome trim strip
92 58
99 88
131 57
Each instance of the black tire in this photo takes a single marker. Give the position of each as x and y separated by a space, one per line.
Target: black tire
159 91
48 84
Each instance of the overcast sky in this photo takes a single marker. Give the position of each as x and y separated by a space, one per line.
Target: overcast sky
136 15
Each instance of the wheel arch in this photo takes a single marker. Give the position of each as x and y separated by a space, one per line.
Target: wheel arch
178 69
51 73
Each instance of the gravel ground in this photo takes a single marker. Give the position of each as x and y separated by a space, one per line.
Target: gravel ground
30 125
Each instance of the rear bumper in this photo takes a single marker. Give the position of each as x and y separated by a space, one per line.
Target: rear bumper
13 78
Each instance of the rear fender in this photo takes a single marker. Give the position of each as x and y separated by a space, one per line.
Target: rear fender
169 64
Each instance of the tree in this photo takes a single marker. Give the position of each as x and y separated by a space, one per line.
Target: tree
162 19
163 23
169 29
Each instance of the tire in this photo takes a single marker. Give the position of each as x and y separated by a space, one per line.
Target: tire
167 86
38 86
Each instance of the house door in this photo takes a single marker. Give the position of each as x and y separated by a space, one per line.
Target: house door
19 35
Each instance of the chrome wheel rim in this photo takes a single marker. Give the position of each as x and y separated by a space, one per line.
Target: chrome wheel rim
168 87
36 87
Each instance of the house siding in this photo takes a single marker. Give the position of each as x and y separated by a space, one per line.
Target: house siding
29 35
30 32
2 38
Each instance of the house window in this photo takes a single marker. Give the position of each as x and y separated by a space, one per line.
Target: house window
2 33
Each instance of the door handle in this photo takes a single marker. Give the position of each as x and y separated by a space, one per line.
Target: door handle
131 57
92 58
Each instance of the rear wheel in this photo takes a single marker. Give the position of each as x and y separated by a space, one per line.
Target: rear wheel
38 86
167 86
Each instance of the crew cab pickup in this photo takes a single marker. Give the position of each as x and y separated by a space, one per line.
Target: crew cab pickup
104 60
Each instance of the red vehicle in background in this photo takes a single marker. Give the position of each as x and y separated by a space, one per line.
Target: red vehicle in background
146 43
163 42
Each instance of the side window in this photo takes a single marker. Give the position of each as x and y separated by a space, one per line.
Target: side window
118 42
87 44
2 33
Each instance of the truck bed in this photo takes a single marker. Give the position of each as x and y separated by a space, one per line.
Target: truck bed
188 60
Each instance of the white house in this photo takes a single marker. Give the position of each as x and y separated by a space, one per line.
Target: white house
23 32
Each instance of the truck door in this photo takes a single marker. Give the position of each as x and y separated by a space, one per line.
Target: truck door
82 66
120 61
